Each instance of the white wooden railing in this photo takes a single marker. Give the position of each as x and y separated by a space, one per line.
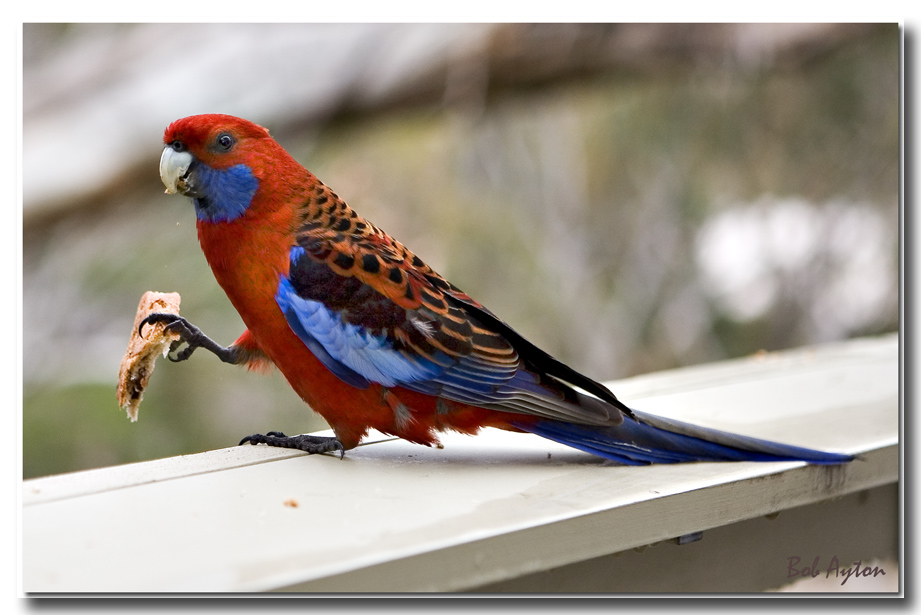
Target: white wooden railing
505 512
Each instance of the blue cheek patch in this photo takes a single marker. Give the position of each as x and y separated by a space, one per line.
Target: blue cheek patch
228 192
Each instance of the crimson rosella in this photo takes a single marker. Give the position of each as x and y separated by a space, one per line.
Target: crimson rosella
371 337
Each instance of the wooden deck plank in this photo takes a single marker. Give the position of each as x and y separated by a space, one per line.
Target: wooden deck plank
394 516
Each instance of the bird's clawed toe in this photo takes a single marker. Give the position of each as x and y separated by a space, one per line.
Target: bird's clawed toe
304 442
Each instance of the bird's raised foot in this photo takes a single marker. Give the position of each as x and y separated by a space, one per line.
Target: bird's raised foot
307 443
191 335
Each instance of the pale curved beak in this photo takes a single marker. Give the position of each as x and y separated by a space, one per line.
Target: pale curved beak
174 167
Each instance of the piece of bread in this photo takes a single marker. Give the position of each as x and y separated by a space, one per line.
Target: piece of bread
142 352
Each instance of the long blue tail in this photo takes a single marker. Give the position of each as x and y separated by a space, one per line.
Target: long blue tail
654 439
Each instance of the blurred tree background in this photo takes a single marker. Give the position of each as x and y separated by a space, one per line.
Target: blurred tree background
631 197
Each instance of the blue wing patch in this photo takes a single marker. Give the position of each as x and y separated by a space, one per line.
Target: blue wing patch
352 353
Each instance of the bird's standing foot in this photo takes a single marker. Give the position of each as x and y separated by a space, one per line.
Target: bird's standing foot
304 442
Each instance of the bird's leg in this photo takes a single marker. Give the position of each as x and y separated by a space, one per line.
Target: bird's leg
191 335
194 338
304 442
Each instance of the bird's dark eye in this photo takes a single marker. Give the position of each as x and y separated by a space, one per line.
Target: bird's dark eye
224 141
178 146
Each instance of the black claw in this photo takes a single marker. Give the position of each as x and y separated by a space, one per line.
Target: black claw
308 444
184 354
171 319
261 439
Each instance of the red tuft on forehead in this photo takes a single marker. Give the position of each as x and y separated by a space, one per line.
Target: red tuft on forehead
198 129
199 134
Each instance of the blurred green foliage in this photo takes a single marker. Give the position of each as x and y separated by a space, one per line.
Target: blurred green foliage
573 211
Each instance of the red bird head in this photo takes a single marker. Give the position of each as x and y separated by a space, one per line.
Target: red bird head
221 161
